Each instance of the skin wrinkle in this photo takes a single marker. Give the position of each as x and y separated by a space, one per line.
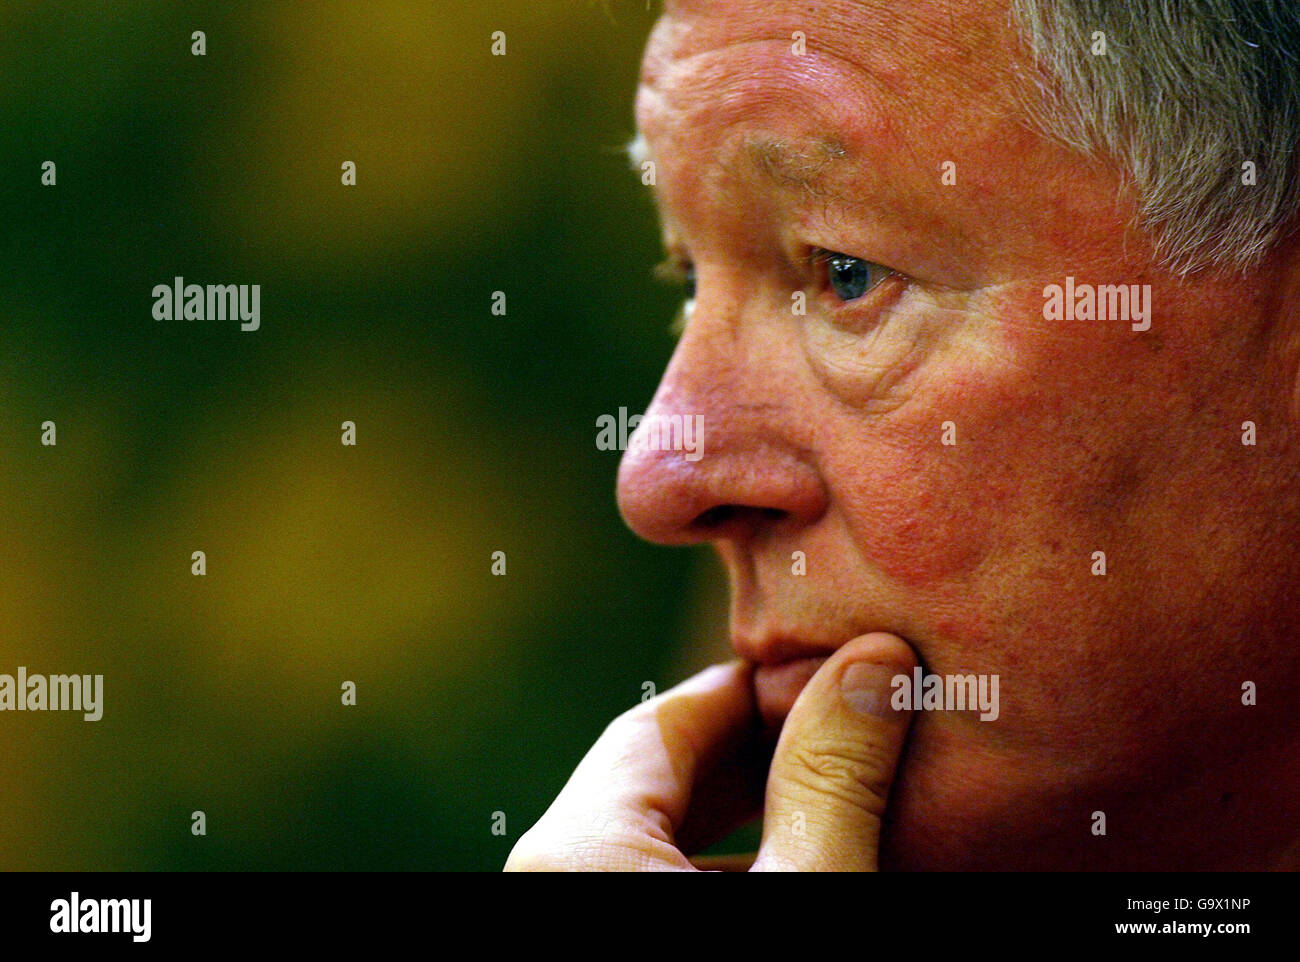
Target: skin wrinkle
718 90
880 135
1072 436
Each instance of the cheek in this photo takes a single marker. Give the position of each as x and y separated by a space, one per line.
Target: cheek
937 528
919 513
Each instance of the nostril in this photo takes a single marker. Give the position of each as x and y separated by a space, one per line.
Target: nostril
725 514
715 517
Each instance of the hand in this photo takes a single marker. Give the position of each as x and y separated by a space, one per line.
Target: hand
680 771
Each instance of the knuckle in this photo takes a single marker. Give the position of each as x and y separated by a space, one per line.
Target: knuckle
852 771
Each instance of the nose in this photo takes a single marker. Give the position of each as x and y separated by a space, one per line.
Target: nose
753 468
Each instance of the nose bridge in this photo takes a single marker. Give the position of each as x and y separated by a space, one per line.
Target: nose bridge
702 374
702 387
711 371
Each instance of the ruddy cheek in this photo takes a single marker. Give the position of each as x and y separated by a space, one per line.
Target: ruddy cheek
917 524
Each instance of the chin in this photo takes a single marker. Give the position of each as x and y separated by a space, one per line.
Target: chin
957 805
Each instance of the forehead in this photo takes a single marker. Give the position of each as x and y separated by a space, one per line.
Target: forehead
831 66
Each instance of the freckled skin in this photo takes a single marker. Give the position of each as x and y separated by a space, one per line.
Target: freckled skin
1119 693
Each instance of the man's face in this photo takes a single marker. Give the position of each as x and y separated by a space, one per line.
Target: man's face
825 430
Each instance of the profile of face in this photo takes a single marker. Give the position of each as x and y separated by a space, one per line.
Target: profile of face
898 436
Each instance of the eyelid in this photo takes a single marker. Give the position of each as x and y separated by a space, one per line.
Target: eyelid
820 255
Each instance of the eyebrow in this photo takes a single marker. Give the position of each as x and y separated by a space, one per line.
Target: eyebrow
800 164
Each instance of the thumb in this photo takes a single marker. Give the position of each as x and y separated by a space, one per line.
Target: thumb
834 763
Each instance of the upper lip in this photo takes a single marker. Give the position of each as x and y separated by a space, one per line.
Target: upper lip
775 649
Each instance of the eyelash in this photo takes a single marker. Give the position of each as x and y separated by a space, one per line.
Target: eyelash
681 273
675 271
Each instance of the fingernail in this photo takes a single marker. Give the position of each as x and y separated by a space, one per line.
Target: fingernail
867 688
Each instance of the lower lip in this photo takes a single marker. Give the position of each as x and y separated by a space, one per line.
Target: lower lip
777 686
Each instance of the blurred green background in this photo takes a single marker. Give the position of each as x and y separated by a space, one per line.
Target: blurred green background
325 563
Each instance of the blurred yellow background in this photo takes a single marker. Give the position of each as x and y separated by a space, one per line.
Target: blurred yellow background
326 563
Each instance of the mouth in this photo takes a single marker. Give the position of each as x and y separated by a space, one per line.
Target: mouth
777 686
784 661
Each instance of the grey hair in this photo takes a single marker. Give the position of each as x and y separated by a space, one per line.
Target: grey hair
1187 92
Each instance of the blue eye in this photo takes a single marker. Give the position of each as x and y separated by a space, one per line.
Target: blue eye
851 277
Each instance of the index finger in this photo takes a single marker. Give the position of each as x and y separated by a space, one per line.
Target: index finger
640 777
